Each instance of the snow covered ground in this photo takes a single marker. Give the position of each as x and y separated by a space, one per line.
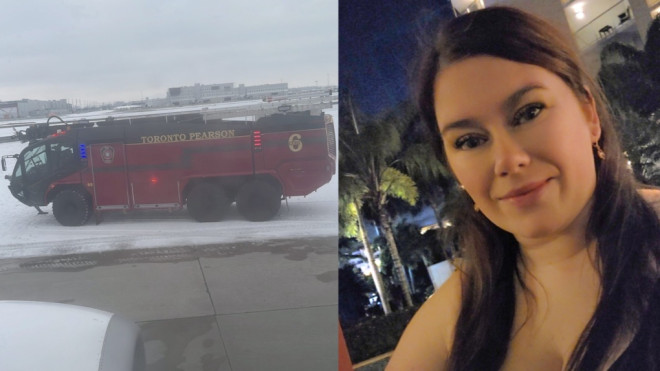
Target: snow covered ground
23 233
119 113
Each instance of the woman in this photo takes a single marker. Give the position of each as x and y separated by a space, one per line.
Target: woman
558 260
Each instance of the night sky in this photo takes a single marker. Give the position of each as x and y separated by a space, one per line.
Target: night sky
377 45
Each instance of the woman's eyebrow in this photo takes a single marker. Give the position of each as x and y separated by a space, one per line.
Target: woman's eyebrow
509 104
513 99
460 124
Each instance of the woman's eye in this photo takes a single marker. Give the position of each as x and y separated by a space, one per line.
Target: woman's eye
468 142
527 113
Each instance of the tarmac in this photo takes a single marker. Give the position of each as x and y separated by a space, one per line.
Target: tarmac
265 305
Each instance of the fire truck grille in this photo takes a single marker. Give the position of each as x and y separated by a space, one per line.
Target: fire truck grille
330 135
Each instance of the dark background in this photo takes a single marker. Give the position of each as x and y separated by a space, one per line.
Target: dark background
378 41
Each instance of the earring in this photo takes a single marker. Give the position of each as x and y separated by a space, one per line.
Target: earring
476 208
599 151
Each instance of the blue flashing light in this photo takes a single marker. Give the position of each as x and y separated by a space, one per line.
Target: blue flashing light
83 151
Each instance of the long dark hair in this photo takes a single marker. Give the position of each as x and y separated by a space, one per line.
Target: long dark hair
626 228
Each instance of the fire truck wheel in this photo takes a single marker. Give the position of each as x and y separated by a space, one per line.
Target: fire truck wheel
207 202
72 207
258 200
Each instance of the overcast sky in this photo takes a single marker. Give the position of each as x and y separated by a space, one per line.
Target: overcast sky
107 50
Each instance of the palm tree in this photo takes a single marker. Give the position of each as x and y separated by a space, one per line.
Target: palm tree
630 79
420 162
351 224
368 179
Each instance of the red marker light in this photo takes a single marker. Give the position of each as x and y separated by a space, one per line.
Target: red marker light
256 140
57 133
154 180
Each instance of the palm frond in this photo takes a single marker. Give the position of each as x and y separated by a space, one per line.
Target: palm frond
399 185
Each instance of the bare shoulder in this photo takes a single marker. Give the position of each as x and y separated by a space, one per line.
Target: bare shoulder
426 342
652 196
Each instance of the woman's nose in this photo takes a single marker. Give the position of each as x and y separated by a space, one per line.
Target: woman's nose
509 155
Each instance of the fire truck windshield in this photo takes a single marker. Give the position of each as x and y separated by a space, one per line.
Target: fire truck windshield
36 162
17 171
45 160
38 165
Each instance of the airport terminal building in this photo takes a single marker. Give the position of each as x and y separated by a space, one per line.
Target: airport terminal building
214 93
26 108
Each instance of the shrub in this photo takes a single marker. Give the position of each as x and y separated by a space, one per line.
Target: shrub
375 336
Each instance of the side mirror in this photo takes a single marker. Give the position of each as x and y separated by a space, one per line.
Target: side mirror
4 162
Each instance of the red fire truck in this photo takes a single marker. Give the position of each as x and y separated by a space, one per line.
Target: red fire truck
166 162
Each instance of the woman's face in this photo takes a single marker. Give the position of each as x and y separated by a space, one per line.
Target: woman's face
519 141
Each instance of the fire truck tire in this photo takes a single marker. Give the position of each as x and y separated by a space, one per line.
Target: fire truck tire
258 200
207 202
72 207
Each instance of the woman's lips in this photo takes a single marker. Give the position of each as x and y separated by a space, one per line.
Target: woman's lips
527 194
